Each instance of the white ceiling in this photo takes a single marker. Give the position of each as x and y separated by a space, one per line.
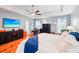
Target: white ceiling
45 10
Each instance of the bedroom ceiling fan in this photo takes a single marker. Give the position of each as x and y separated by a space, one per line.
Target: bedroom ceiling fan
34 12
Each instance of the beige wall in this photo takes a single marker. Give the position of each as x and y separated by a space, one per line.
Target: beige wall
12 15
75 19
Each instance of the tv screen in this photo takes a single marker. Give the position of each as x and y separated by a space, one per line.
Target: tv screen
11 22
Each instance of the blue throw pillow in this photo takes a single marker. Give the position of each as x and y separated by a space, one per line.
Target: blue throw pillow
75 34
31 46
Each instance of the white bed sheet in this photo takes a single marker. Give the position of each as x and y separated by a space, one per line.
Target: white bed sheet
48 43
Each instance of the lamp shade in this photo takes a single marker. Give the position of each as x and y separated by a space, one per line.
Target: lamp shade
70 28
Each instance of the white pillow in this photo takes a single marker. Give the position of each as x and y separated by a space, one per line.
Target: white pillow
64 34
66 41
71 40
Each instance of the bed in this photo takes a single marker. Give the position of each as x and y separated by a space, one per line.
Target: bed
49 43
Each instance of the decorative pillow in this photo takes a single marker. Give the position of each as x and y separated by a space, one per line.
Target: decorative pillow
66 42
71 40
75 34
64 34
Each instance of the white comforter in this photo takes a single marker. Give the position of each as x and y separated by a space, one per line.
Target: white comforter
49 43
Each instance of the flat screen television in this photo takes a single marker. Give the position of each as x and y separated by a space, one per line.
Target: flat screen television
12 23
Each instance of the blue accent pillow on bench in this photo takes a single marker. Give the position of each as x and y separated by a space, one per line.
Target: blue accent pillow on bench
75 34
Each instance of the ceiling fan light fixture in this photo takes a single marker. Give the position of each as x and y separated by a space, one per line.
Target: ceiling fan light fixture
33 14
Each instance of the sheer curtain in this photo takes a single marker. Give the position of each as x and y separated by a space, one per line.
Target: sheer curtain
61 23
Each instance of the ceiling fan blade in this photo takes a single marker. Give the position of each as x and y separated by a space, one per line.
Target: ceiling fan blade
37 11
38 14
28 11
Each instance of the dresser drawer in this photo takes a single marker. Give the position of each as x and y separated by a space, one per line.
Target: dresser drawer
10 50
7 46
11 46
